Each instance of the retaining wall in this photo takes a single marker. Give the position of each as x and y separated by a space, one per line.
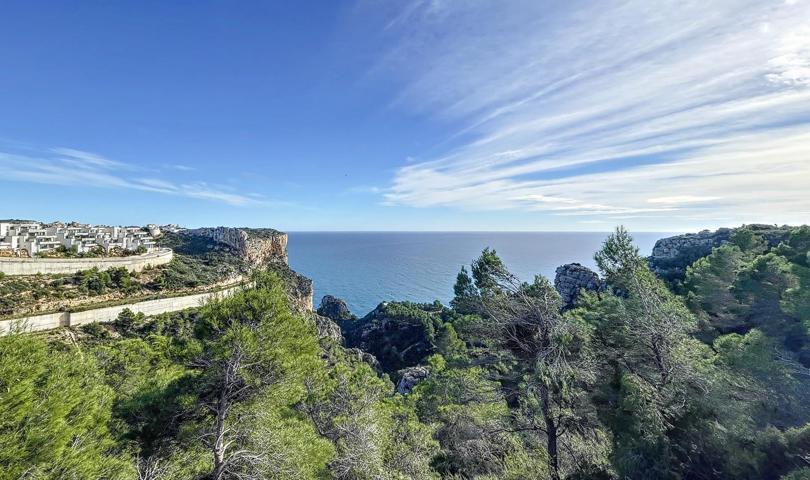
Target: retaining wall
48 321
32 266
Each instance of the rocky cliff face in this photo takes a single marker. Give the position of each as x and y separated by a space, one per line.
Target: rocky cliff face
398 334
572 278
263 247
326 328
672 255
299 287
256 246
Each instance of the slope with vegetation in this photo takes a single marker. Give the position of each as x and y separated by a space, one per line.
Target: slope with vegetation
199 264
704 378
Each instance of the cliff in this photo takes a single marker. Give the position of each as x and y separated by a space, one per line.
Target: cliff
257 246
263 247
299 287
671 255
398 334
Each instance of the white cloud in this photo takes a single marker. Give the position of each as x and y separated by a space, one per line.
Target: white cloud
71 167
184 168
678 199
792 64
82 159
666 112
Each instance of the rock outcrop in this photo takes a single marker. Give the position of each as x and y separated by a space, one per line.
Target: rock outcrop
410 377
263 247
257 246
299 287
572 278
398 334
326 328
334 308
366 357
671 255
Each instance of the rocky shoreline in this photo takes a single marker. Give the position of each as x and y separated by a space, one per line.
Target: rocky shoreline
398 344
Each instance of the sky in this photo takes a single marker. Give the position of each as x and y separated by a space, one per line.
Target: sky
407 115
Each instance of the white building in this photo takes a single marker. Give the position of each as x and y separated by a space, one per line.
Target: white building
36 238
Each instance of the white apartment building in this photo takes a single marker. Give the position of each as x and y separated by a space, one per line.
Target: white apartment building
36 238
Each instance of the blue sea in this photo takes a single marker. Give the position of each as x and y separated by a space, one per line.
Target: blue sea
366 268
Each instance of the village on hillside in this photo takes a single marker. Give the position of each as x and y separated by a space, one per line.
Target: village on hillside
35 239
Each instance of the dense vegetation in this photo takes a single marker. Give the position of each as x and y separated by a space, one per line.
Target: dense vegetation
704 379
198 262
62 252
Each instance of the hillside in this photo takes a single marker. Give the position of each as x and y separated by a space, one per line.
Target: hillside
632 378
200 263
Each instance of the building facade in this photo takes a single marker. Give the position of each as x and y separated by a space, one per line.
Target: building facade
34 239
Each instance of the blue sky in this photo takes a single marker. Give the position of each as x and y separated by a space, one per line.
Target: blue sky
421 115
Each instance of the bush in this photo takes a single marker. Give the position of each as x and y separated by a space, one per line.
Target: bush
128 322
96 330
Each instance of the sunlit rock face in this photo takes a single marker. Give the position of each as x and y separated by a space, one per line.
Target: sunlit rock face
326 328
571 278
256 245
264 247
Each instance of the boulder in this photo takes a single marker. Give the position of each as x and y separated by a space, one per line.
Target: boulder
572 278
334 308
410 377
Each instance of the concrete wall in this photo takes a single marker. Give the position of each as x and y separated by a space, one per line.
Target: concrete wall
149 307
32 266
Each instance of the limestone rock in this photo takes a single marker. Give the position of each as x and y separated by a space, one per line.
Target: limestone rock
263 247
571 278
396 333
334 308
299 287
671 255
257 245
326 328
410 377
366 357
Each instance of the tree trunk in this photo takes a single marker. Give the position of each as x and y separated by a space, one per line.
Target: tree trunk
551 434
223 406
218 447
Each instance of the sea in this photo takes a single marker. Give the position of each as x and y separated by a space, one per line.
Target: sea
366 268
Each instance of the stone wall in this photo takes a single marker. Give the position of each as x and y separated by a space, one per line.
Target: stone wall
255 246
52 266
149 307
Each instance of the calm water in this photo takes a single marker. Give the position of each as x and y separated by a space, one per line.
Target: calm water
366 268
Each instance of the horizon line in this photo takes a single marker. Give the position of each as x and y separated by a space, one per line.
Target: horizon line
471 231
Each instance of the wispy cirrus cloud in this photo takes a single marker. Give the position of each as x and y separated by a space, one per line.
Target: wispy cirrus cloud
72 167
668 112
364 189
